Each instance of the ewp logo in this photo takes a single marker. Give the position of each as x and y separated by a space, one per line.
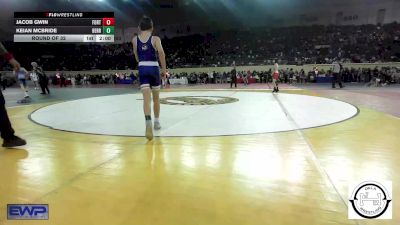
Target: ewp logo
27 212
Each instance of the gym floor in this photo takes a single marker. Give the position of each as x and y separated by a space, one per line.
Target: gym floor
255 168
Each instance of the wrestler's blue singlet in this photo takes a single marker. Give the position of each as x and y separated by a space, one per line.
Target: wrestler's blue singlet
149 71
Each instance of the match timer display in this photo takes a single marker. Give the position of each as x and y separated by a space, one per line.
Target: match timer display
64 26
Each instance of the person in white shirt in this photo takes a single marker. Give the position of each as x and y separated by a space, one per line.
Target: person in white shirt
73 80
34 79
85 80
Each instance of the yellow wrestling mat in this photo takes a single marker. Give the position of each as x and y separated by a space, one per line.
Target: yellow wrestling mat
299 176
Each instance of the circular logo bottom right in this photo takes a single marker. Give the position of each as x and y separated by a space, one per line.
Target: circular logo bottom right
371 200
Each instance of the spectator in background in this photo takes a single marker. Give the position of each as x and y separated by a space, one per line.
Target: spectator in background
291 76
234 76
85 80
361 44
3 82
263 77
78 79
246 78
210 77
302 76
63 82
215 77
73 80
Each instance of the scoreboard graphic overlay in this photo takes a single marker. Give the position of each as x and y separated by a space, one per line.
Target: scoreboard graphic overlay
64 26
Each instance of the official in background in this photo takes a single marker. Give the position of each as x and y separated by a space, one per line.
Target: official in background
43 79
6 130
63 81
337 76
3 82
234 76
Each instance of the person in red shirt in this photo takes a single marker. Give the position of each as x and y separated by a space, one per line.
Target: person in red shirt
275 78
6 130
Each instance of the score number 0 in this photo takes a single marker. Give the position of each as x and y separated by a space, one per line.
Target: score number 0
108 21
